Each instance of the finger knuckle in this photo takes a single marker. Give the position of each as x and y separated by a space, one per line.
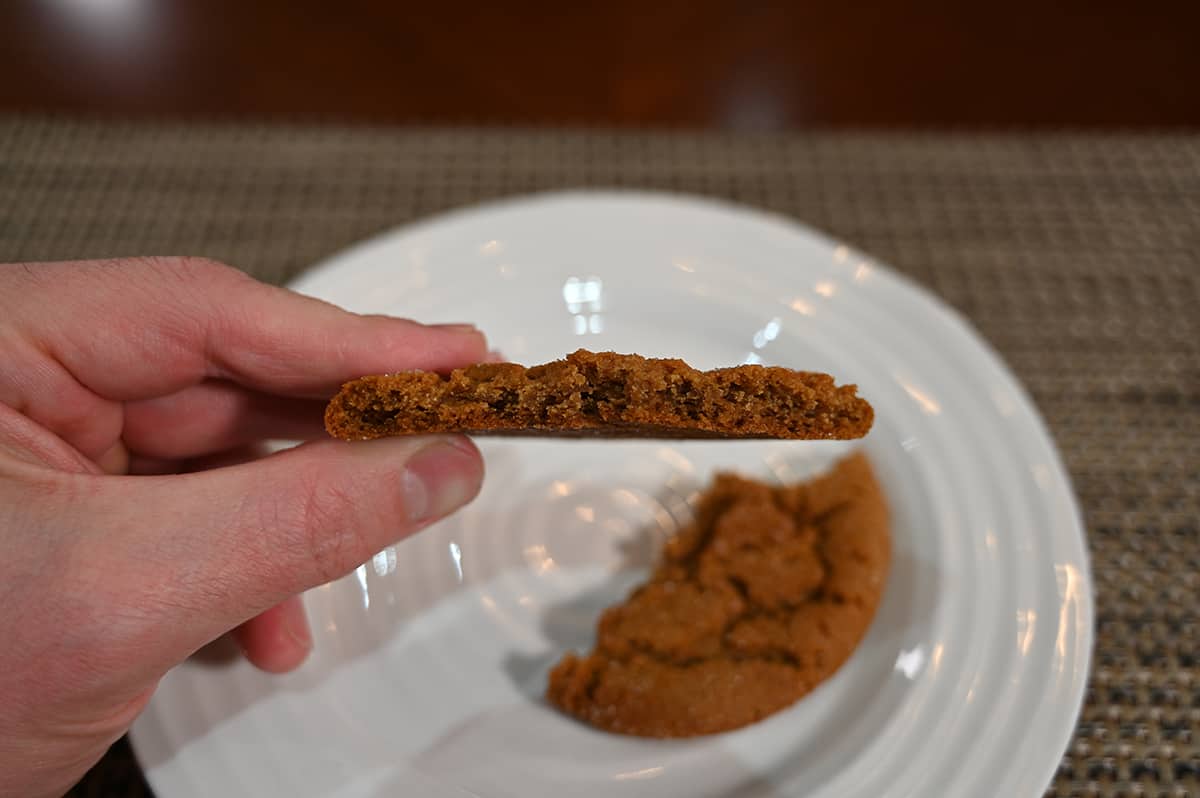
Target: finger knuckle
331 524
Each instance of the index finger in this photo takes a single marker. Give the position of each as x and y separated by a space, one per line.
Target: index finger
82 338
140 328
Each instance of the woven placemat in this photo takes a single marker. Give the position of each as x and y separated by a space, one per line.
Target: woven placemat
1078 257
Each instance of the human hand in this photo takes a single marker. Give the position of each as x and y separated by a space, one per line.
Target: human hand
117 560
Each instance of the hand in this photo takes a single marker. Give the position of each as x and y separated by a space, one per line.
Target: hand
117 558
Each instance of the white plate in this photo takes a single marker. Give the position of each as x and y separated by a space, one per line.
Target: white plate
431 658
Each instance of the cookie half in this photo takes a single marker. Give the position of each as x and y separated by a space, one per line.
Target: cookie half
602 394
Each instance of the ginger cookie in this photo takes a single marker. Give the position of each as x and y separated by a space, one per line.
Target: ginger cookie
602 395
756 602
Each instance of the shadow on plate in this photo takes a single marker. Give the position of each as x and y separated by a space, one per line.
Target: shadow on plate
528 747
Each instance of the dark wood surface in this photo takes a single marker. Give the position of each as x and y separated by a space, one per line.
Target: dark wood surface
735 64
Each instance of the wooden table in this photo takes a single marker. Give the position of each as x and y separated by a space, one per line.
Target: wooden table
732 64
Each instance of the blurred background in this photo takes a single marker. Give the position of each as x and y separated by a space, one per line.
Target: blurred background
713 64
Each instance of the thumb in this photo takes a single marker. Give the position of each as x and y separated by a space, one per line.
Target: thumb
188 557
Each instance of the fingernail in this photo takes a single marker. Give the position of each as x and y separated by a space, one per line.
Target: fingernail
456 328
441 478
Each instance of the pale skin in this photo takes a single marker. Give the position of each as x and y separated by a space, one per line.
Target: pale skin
136 524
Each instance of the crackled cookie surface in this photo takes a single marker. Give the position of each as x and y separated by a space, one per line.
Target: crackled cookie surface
762 597
602 395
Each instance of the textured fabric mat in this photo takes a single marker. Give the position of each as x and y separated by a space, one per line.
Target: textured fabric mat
1077 257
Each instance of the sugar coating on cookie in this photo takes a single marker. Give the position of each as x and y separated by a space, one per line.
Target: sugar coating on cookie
604 394
763 596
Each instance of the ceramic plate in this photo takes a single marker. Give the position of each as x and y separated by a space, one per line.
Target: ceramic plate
431 658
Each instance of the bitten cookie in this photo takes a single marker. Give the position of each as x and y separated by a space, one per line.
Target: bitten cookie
756 602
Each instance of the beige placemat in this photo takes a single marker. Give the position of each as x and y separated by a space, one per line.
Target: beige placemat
1078 257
